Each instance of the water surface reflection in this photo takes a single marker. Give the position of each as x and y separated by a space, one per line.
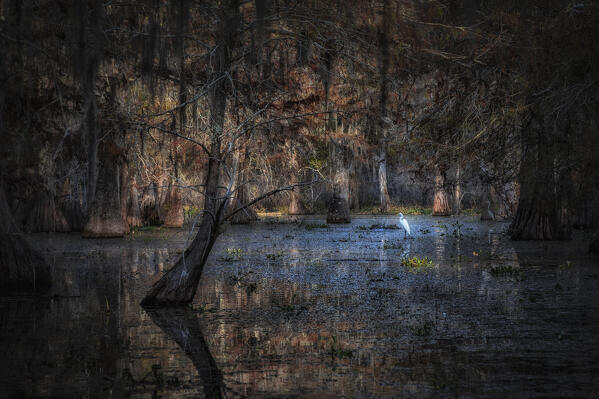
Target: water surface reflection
297 310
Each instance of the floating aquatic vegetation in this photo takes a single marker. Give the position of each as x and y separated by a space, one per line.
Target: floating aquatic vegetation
415 263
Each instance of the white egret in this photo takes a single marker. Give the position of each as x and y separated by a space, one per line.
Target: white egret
404 224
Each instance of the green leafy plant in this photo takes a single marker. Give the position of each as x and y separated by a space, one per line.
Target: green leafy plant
415 264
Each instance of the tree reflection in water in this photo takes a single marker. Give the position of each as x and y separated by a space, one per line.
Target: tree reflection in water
181 324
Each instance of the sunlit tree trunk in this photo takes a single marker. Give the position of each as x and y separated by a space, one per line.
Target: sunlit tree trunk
179 284
441 206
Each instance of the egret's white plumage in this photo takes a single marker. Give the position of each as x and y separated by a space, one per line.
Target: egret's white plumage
404 224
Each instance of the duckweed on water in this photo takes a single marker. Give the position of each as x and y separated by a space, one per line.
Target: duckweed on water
415 264
232 254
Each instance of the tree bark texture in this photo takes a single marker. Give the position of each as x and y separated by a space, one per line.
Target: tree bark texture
172 208
44 215
21 266
441 205
70 206
338 211
150 206
241 195
537 215
104 216
296 203
384 61
384 199
133 211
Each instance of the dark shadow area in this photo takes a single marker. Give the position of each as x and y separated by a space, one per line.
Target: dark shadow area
181 324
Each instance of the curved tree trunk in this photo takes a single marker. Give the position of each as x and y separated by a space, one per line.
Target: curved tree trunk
182 325
441 205
104 217
180 283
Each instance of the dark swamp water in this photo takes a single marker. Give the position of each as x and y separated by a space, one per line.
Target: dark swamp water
304 310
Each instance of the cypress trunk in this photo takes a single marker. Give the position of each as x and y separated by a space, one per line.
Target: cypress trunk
441 206
172 208
21 266
338 211
104 216
537 216
179 284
